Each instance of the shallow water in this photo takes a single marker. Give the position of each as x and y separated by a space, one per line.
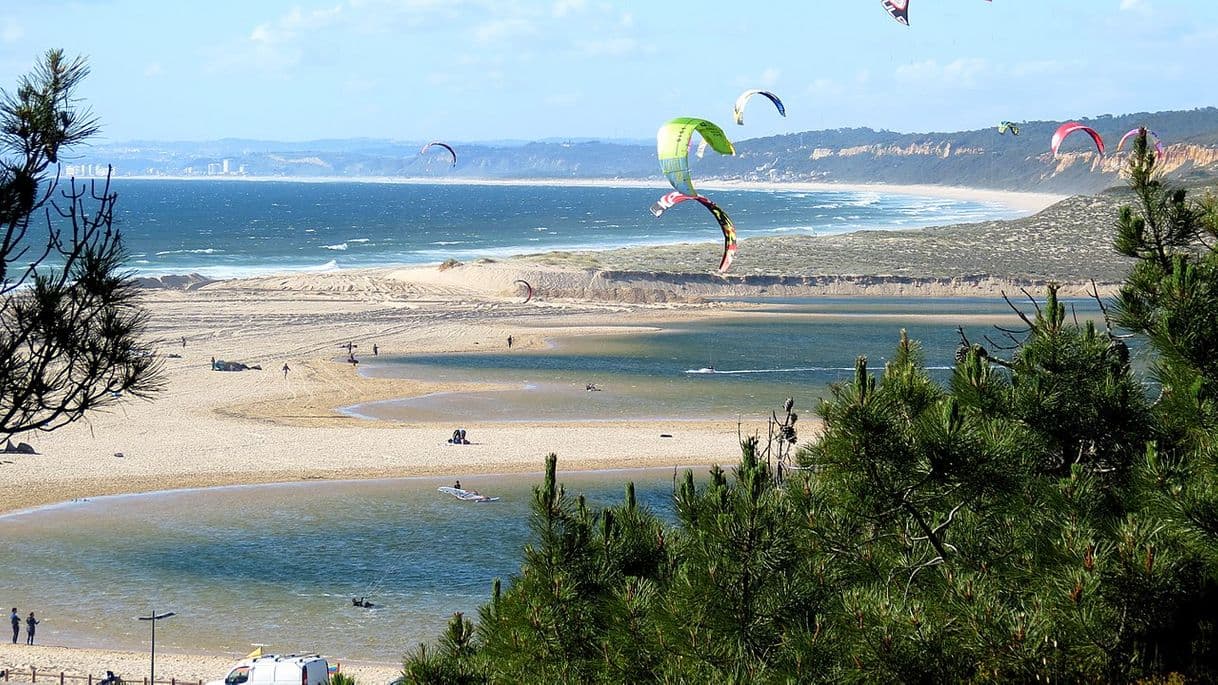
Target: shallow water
789 348
278 564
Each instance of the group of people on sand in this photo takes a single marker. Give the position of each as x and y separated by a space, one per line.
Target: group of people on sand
31 624
458 438
350 347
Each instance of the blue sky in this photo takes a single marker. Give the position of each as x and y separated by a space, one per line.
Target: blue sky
497 69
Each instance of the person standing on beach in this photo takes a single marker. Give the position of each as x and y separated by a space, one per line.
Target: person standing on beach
285 369
16 621
374 350
183 341
509 342
30 624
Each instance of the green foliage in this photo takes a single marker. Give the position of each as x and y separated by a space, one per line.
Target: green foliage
1039 519
341 679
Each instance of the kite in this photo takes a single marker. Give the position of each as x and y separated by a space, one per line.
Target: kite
1149 133
738 110
1070 127
528 289
1005 126
897 9
725 222
446 146
672 148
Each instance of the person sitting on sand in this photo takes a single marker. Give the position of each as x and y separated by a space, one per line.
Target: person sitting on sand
110 679
457 485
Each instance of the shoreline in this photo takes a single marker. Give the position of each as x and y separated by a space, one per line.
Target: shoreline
186 667
1016 199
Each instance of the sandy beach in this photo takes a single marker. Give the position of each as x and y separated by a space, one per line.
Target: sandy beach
48 661
215 428
1024 201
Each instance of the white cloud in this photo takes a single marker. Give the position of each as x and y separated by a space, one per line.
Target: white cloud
825 87
609 47
769 76
11 32
503 29
959 72
1140 6
295 22
153 70
562 8
1037 67
627 19
563 99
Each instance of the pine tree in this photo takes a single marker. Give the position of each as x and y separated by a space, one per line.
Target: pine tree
1041 518
71 326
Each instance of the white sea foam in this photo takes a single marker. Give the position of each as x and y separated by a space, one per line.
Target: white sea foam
865 200
338 246
206 250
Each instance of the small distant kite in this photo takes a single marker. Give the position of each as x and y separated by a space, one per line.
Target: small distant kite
528 289
672 148
1005 126
446 146
738 110
1149 134
897 9
1070 127
725 222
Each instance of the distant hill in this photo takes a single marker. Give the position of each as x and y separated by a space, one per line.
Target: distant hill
978 158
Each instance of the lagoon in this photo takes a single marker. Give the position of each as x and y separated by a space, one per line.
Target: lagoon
278 564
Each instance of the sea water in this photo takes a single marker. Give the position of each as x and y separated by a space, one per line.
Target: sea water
235 228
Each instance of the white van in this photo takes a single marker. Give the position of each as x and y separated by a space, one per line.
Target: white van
274 669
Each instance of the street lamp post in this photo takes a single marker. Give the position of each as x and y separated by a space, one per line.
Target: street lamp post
154 617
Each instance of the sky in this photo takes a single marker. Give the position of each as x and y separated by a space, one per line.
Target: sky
466 70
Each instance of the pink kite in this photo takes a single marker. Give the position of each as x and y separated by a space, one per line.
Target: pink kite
1136 131
1070 127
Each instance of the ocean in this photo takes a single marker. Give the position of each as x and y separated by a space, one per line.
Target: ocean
225 229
